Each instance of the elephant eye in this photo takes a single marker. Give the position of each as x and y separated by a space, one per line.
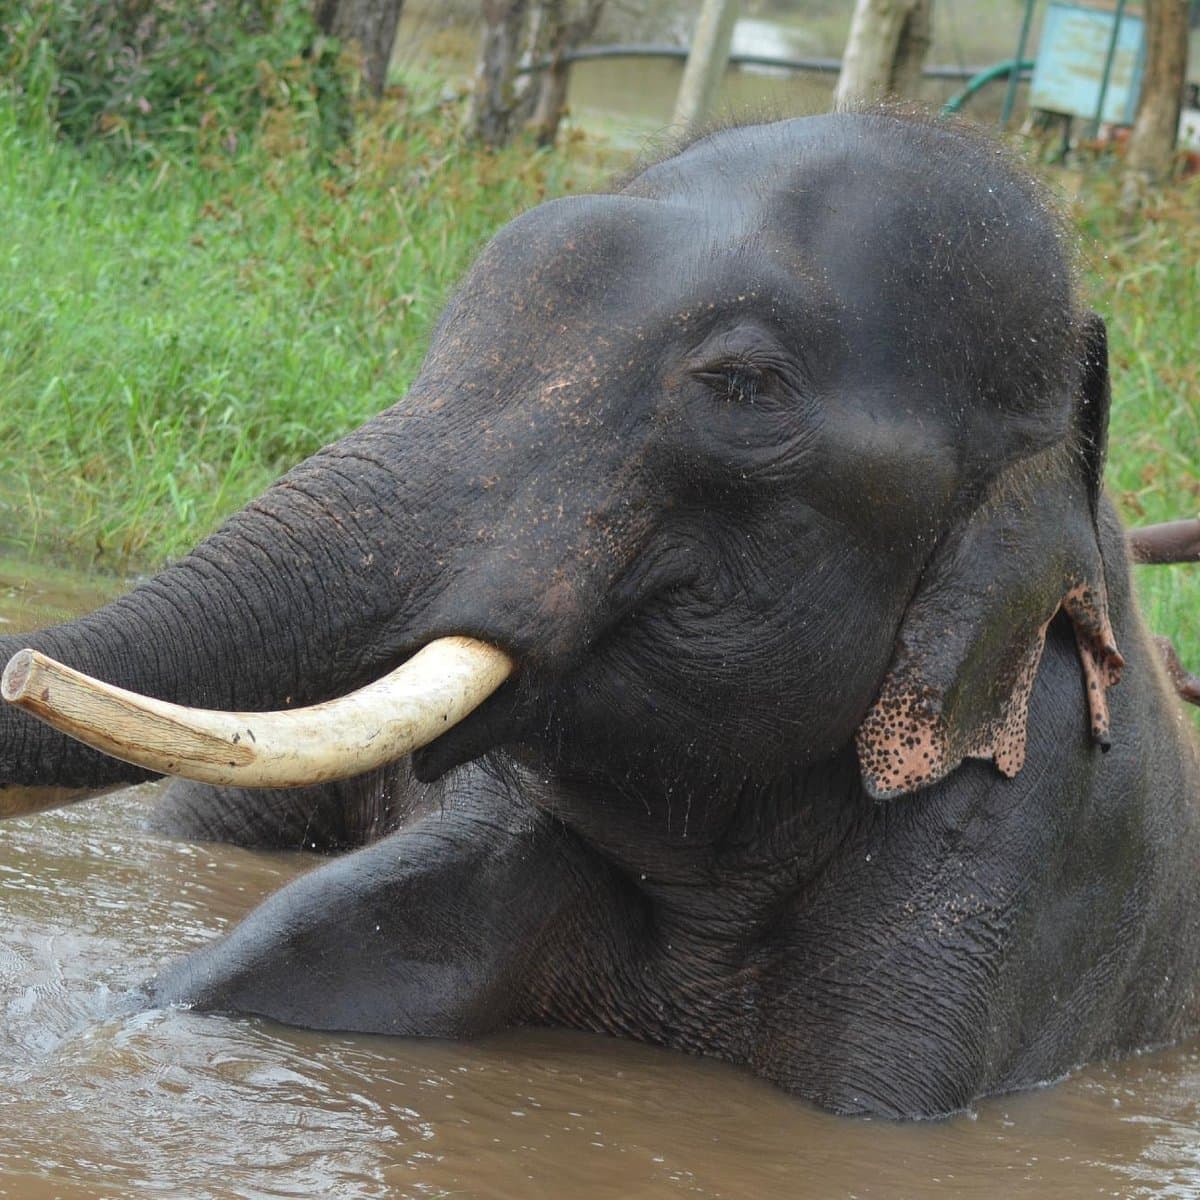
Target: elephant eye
739 383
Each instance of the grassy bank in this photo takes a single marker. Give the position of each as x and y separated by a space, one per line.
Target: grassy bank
172 339
1146 284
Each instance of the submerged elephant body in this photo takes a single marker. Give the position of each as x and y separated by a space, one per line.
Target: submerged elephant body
777 474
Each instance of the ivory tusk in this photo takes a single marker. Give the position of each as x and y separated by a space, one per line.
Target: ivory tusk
377 724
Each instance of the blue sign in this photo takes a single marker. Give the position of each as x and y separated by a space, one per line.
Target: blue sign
1070 63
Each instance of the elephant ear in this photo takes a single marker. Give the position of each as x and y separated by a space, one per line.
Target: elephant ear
970 643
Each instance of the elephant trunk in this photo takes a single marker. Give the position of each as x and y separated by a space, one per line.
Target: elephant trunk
300 597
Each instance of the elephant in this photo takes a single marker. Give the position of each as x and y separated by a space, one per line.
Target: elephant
802 715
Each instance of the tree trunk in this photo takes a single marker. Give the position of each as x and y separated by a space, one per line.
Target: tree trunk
517 35
1157 122
706 62
915 39
495 96
565 35
369 27
885 50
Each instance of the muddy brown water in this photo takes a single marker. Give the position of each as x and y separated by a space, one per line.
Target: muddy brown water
101 1099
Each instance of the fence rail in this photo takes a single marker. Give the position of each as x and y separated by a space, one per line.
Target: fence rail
829 66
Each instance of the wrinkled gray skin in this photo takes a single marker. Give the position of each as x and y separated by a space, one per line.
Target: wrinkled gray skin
695 452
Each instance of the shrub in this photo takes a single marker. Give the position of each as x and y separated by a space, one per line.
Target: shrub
149 78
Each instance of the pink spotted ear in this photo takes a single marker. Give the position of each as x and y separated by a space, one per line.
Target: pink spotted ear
937 708
969 646
1102 662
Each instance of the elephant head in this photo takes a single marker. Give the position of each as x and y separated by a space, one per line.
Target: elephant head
782 456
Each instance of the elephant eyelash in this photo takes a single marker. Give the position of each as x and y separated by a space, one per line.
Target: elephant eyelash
737 382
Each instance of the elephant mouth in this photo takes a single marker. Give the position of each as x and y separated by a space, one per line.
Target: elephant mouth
401 712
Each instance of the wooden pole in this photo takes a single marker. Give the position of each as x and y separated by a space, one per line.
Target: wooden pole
1170 542
706 63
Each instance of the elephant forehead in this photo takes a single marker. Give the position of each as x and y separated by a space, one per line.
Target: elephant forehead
987 270
912 254
922 205
937 251
857 175
601 282
599 257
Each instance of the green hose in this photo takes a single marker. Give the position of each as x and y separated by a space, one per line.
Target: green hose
999 70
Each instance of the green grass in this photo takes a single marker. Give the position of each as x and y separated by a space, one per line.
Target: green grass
172 339
1145 281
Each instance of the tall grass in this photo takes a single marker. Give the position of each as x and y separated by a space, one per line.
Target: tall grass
172 339
1145 280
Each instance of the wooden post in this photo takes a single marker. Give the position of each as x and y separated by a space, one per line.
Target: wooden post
1170 542
706 62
